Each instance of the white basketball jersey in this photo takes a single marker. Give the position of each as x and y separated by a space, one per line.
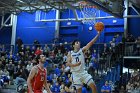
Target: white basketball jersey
78 57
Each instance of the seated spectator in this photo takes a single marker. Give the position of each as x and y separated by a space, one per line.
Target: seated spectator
65 57
46 50
27 50
62 48
46 64
106 88
4 60
57 71
10 68
94 64
55 88
1 80
128 87
1 65
59 56
16 59
33 51
62 88
16 71
122 90
112 85
21 50
3 52
135 73
34 61
29 66
52 55
94 54
22 76
138 87
105 49
68 79
87 57
6 76
50 77
11 57
69 88
87 61
132 87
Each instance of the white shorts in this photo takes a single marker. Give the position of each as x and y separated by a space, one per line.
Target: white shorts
81 77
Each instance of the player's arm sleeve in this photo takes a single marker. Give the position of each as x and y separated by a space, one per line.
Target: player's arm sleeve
91 42
30 77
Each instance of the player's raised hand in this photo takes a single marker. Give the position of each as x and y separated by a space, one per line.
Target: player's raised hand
99 32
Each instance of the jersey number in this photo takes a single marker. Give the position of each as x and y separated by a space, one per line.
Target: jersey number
77 59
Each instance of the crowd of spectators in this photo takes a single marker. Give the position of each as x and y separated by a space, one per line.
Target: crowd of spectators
132 45
17 65
133 84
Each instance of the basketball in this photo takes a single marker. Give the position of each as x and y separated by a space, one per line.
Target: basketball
99 26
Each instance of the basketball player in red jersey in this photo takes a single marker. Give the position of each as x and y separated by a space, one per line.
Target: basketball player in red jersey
37 77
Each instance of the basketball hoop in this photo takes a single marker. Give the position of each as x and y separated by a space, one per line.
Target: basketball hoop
88 12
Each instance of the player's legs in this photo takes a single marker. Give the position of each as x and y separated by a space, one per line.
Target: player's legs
78 85
77 82
87 78
93 87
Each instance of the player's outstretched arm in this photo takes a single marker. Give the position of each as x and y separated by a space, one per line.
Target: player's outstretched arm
69 61
91 42
30 77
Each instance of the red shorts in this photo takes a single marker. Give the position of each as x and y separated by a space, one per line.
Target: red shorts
36 91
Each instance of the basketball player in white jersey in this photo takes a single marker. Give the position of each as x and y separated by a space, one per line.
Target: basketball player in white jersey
76 62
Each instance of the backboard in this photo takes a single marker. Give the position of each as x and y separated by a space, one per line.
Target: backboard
113 7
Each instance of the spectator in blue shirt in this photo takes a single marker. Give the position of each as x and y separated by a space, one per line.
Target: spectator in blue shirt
84 89
95 64
94 55
106 88
46 64
57 71
56 88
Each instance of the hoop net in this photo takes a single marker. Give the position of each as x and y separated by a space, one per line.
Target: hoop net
88 12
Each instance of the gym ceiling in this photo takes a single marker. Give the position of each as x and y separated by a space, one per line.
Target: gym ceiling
30 6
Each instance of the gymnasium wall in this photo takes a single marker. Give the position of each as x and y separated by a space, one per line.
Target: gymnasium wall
29 30
134 24
5 32
5 35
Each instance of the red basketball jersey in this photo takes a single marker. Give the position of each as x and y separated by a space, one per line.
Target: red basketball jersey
38 81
